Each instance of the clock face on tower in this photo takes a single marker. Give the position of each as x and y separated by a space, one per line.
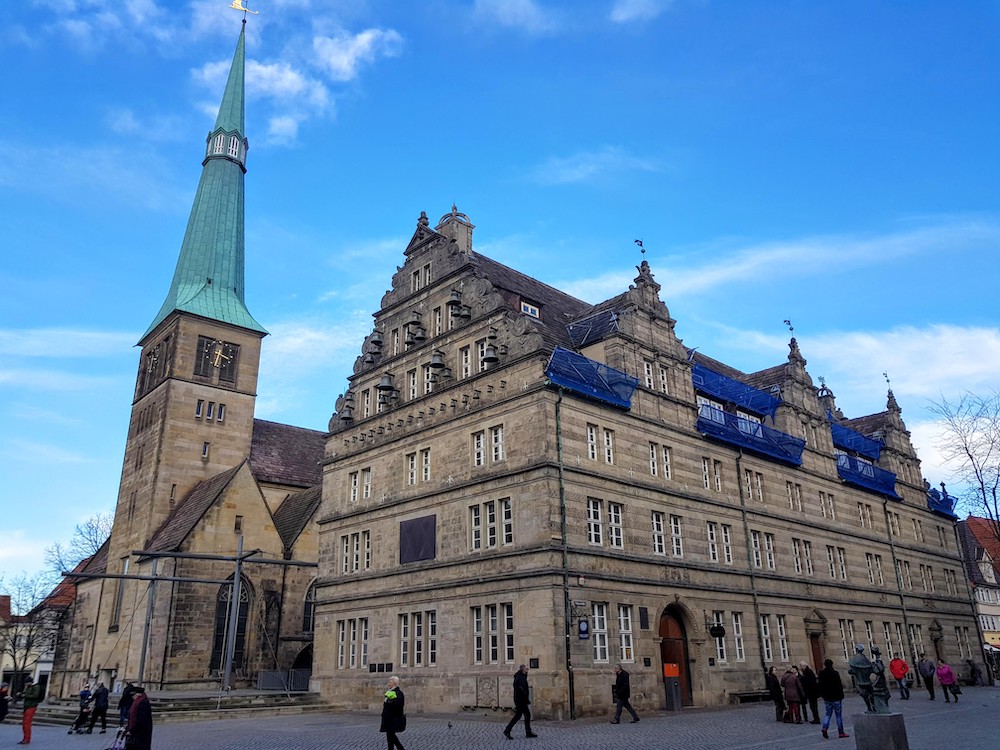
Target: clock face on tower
216 359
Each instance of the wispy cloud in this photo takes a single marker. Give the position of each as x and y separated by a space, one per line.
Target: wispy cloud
795 258
526 15
106 175
341 56
628 11
63 342
591 166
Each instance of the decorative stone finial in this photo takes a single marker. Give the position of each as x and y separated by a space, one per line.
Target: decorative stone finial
423 221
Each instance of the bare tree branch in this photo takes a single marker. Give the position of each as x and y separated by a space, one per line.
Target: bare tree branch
86 540
971 443
29 632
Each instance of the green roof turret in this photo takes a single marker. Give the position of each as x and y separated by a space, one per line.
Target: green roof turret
208 280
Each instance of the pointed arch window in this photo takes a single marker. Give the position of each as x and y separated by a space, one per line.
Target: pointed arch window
309 609
223 605
220 141
234 146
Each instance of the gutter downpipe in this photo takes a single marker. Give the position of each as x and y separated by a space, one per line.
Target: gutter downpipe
897 569
753 576
567 610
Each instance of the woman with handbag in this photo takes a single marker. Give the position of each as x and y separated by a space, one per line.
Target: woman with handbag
949 683
393 716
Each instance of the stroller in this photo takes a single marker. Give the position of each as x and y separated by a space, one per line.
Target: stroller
118 743
80 723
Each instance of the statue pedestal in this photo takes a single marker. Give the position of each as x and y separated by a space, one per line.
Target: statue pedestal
880 732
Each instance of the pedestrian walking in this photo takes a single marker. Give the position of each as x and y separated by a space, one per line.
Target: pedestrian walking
811 690
139 730
926 669
831 690
31 694
521 703
4 700
899 670
100 710
773 685
393 714
792 688
622 692
975 674
949 683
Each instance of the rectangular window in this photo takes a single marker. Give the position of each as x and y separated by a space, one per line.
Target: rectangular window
717 473
205 449
755 549
411 468
720 643
653 453
221 413
625 649
599 631
647 368
366 482
676 541
496 441
794 496
412 389
765 637
595 532
706 472
481 355
918 529
738 646
465 362
831 558
893 523
425 464
199 408
529 309
394 338
592 442
782 637
664 384
807 560
238 525
769 550
210 411
429 377
508 631
865 515
616 536
507 520
404 640
712 531
432 648
666 462
477 635
476 527
827 507
479 448
438 321
609 446
493 625
842 563
727 544
366 403
797 555
659 542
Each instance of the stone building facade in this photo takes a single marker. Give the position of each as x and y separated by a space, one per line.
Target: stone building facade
981 547
517 476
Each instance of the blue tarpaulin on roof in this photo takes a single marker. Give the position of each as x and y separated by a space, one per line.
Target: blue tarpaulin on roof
577 373
751 436
727 389
941 502
862 474
852 440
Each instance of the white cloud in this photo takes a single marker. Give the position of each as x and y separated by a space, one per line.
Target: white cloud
626 11
63 342
340 56
49 381
590 166
526 15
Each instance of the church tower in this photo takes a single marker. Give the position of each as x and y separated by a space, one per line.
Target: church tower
193 407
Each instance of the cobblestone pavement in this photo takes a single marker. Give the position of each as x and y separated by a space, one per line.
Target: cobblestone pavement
972 724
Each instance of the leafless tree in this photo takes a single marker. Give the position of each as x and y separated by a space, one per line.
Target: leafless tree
29 630
86 540
970 442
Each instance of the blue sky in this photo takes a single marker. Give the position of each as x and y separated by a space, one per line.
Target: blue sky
832 162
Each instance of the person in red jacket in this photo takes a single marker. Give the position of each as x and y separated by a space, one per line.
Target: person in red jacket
898 668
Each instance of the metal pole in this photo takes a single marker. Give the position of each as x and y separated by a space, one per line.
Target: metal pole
234 612
145 629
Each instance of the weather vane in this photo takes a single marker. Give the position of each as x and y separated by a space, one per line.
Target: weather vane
788 323
241 5
641 248
886 376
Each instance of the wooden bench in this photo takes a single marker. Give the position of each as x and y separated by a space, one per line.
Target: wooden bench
750 696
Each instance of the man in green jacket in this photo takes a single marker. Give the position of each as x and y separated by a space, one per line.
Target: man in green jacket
32 695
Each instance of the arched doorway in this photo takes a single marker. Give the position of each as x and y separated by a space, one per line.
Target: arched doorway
674 649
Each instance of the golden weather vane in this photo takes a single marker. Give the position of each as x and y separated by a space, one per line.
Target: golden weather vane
241 6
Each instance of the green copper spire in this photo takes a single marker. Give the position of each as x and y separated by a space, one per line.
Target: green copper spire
208 279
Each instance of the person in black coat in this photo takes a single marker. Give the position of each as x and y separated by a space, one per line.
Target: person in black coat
831 690
100 709
777 693
521 703
393 714
810 687
139 730
622 692
128 695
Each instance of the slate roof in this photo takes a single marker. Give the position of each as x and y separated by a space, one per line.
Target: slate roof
557 309
295 513
282 454
976 536
869 424
175 529
98 562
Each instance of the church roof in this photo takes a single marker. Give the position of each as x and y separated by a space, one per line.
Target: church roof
295 513
282 454
209 277
176 527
